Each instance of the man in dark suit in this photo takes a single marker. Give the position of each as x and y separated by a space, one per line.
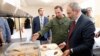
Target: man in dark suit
38 23
81 33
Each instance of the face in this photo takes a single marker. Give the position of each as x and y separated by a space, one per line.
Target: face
89 12
41 12
58 13
71 14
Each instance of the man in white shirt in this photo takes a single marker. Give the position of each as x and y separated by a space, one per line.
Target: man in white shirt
38 23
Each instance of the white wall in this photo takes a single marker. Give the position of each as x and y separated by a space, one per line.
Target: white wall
34 10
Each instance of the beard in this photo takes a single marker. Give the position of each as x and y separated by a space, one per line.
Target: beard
72 18
58 17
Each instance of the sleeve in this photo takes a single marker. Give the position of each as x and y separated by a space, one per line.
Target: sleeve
8 33
49 32
88 38
46 28
33 26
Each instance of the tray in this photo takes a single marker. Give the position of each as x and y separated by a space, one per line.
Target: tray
23 49
50 50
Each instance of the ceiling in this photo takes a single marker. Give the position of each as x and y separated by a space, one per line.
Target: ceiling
32 3
9 9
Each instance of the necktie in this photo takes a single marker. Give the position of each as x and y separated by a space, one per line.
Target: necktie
71 29
69 34
41 22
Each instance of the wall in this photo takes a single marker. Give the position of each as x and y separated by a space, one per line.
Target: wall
96 10
95 6
86 3
22 20
34 10
17 22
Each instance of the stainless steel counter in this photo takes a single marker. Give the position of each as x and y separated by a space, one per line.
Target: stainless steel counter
3 48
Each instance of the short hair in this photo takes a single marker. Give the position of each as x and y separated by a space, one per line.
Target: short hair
89 8
74 6
84 11
56 7
39 9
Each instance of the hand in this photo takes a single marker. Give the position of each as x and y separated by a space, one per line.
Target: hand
35 36
66 53
61 46
50 39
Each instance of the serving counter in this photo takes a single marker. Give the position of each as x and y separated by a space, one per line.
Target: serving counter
30 49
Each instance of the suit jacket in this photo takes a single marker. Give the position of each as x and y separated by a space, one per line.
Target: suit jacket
36 27
82 38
